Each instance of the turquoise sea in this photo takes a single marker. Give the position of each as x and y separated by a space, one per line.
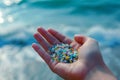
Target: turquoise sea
19 19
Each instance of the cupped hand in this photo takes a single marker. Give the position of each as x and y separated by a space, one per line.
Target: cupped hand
89 53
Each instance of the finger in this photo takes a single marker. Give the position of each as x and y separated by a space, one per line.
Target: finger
85 40
80 39
75 45
89 47
59 36
51 39
46 57
42 42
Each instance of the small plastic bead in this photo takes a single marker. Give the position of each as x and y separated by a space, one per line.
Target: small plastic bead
63 53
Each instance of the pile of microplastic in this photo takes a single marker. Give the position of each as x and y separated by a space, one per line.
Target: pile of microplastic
63 53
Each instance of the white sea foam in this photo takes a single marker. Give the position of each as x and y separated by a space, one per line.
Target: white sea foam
106 36
17 64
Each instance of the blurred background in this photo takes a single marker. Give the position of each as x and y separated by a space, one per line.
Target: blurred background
19 19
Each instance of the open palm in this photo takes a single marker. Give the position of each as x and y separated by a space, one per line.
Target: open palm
70 71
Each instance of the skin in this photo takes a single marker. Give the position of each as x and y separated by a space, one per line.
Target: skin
89 66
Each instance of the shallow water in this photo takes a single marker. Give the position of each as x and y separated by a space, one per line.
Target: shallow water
18 22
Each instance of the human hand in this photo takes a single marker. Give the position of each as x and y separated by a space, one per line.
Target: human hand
89 54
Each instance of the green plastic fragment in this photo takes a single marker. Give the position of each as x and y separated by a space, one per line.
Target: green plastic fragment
63 53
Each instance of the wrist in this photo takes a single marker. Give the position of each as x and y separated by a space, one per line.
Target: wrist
100 72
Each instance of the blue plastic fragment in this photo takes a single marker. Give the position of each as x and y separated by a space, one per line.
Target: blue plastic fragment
63 53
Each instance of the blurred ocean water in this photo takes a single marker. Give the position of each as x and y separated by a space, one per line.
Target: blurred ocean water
18 22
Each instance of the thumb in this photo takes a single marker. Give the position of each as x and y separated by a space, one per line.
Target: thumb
80 38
